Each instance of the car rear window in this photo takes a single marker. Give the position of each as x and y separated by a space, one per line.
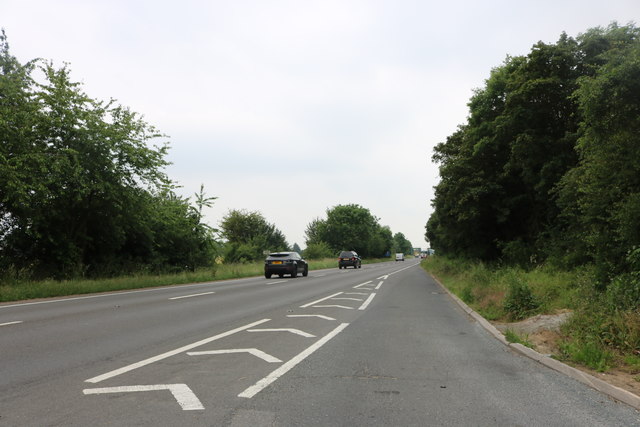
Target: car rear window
278 255
346 254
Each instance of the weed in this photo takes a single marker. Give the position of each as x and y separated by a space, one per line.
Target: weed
513 337
589 353
520 301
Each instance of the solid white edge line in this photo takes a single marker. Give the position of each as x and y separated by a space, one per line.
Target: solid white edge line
366 303
273 376
153 359
320 300
11 323
192 295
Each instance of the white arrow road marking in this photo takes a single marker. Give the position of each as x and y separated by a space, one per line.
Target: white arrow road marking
333 306
380 284
311 315
273 376
293 331
258 353
385 277
153 359
11 323
192 295
366 303
183 394
320 300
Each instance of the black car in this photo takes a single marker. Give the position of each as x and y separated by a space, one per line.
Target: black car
282 263
349 259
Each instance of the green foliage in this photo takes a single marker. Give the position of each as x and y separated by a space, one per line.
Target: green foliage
319 250
249 235
513 337
520 302
350 227
401 244
547 166
82 189
588 353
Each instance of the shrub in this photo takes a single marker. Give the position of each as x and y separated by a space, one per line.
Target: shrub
519 301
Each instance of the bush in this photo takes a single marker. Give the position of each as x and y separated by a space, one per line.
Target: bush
520 301
318 250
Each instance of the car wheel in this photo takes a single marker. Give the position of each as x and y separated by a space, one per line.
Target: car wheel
294 273
281 275
306 271
267 275
359 265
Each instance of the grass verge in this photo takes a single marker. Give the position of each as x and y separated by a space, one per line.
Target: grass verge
25 290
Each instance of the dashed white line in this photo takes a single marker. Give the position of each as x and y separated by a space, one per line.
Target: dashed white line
321 316
162 356
366 303
291 330
379 284
320 300
192 295
266 381
11 323
278 281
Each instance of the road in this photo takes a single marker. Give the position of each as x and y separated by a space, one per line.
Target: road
380 345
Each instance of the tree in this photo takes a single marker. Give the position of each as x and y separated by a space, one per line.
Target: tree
296 248
350 227
248 234
401 244
79 181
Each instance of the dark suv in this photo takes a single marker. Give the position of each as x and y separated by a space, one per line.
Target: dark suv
349 259
282 263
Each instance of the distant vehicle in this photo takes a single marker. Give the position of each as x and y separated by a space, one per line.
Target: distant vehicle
349 259
399 257
282 263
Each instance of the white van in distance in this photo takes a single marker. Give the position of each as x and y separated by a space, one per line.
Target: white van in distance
399 257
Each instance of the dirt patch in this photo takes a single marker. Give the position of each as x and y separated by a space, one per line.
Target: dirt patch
543 332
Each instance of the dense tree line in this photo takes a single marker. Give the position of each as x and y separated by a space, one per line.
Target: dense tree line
82 191
547 166
248 235
350 227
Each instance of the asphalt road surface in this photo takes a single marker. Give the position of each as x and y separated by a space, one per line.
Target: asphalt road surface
380 345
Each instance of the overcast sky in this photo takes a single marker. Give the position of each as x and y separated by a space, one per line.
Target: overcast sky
292 107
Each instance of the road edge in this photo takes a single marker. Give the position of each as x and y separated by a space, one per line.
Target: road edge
603 387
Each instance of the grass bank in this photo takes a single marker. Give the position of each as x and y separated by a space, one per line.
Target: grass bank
600 335
25 290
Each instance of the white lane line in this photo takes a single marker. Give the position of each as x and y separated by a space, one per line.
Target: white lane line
181 392
385 277
273 376
11 323
333 306
356 293
321 316
366 303
188 347
320 300
379 284
254 351
319 275
291 330
349 299
193 295
362 284
278 281
402 269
